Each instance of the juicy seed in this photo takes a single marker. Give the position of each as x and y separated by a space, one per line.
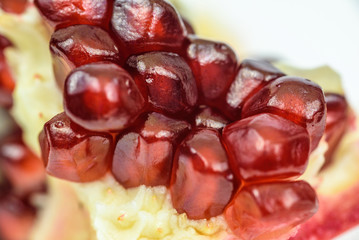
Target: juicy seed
14 6
23 169
102 97
269 210
78 45
336 124
73 153
209 118
294 98
144 155
214 65
166 79
252 75
147 25
201 182
266 146
63 13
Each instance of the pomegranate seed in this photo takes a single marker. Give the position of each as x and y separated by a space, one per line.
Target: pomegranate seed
63 13
144 154
7 82
23 169
16 218
268 210
337 123
147 25
210 118
166 79
214 65
79 45
102 97
188 26
201 182
294 98
14 6
251 77
73 153
266 146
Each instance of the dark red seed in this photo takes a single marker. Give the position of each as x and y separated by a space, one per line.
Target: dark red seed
209 118
294 98
147 25
16 218
144 155
201 182
214 65
63 13
102 97
14 6
270 210
266 146
251 77
78 45
73 153
336 124
166 79
23 169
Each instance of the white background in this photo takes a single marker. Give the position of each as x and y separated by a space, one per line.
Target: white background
306 33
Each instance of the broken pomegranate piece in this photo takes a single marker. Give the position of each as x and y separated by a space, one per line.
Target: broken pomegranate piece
78 45
201 182
214 65
63 13
270 210
260 148
166 79
294 98
144 155
102 97
73 153
252 75
147 25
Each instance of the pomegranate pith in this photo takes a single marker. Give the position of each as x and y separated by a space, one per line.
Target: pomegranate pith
166 79
102 97
269 210
266 146
63 13
79 45
201 182
294 98
147 25
144 155
73 153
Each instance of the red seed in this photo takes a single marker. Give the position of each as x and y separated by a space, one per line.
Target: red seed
144 155
23 169
214 65
73 153
250 78
102 97
201 182
78 45
270 210
266 146
210 118
294 98
14 6
336 123
147 25
63 13
166 79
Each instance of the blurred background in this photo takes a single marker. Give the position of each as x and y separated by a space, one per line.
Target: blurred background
303 33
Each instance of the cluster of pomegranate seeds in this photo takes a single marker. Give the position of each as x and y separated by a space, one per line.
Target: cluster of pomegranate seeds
7 83
14 6
168 108
63 13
